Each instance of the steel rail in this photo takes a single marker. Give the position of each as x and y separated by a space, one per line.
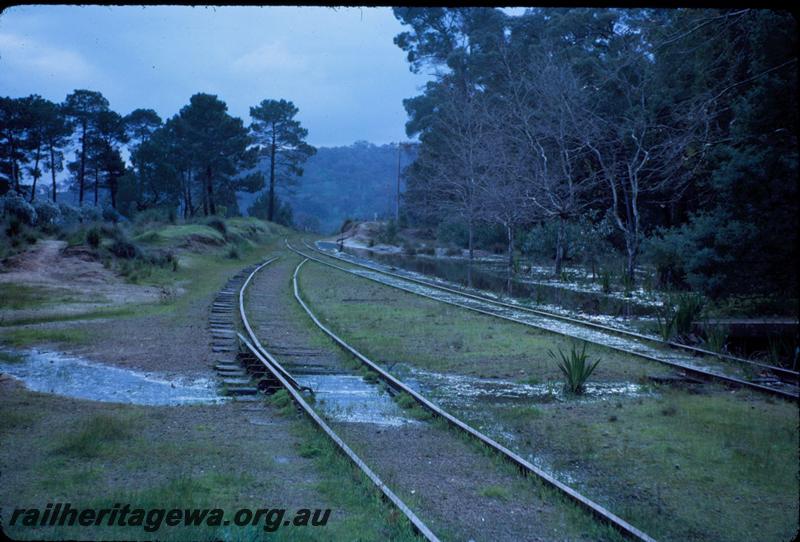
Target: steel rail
781 371
291 386
275 365
525 466
695 371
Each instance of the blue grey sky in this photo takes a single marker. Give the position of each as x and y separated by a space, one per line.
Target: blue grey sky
339 66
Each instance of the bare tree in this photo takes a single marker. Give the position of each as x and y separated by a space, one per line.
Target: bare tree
639 148
539 109
457 165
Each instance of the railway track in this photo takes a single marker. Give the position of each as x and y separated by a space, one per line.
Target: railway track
272 375
623 341
787 374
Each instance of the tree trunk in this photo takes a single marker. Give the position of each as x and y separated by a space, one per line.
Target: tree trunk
632 250
510 234
560 246
271 206
471 228
211 206
82 175
112 190
36 172
53 169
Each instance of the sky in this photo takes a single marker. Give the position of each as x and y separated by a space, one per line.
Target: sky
339 66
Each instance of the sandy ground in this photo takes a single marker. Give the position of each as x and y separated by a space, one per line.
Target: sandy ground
51 264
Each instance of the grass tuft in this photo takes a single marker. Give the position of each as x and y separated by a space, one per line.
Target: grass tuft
575 367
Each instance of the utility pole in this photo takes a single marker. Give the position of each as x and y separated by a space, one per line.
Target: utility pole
400 146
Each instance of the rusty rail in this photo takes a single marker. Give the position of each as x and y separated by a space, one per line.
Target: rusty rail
525 466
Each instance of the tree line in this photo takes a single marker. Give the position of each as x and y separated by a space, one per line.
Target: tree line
676 127
195 161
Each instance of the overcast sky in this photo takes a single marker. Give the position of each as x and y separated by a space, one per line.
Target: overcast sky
340 67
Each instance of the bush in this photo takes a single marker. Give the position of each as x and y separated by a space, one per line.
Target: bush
219 225
48 213
388 233
15 206
93 237
90 213
124 249
111 215
233 253
430 251
575 368
69 214
452 231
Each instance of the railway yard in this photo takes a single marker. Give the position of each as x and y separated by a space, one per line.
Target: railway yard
410 407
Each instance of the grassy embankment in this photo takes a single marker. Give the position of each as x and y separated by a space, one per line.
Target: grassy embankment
714 466
183 261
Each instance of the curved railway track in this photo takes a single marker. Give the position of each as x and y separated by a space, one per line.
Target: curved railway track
788 388
271 370
286 381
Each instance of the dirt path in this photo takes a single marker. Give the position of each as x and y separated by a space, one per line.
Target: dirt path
462 493
51 264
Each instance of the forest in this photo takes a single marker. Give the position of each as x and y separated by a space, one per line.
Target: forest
665 134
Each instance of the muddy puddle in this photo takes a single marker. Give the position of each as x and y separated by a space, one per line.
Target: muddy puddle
351 399
70 376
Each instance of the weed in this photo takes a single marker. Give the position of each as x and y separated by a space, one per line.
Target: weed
605 281
11 357
575 368
95 436
669 410
716 338
93 237
309 450
405 401
689 308
496 492
233 253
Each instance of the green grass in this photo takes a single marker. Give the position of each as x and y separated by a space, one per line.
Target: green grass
11 357
387 324
95 455
175 235
20 296
31 336
496 492
96 436
713 466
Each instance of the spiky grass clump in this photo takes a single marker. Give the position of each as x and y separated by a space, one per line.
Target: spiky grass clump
575 367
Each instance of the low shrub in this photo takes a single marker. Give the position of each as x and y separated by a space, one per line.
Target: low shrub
48 214
14 206
111 215
93 237
122 248
219 225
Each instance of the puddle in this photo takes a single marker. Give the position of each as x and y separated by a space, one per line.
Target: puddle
349 398
53 372
465 390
